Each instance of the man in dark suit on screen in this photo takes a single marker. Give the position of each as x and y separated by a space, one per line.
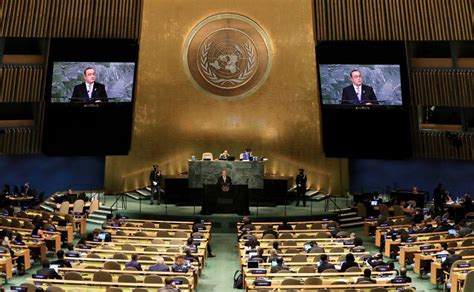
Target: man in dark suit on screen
89 91
224 181
358 93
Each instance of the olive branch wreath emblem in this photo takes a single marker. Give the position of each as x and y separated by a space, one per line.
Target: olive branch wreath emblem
243 76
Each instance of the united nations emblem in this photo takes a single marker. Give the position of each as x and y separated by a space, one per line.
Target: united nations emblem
228 55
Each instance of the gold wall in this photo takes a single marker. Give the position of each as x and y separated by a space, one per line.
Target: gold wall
173 120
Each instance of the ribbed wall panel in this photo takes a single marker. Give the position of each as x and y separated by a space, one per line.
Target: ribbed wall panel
413 20
71 18
443 87
21 83
437 145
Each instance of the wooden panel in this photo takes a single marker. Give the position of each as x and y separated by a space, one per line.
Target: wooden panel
443 87
21 83
71 18
417 20
436 144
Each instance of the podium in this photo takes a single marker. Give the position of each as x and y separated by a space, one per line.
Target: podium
216 200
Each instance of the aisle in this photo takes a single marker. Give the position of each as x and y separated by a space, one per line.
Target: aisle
218 273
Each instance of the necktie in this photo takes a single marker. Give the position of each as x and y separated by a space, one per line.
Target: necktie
89 90
224 178
358 93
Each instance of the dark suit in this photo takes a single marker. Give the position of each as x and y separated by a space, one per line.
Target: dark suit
324 266
221 182
79 94
155 178
301 188
349 95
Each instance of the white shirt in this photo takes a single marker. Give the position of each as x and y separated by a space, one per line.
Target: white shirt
358 90
89 88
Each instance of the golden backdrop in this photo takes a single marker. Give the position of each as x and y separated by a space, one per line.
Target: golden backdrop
173 120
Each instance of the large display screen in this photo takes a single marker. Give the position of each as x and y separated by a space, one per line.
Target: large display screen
92 82
360 84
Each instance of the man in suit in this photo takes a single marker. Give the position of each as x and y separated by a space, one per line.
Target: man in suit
160 266
301 187
367 278
47 272
89 91
224 181
324 264
358 93
155 178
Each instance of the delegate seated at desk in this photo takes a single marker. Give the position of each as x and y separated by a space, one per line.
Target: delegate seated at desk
247 155
224 155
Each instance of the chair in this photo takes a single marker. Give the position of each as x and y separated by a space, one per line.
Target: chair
316 226
176 242
78 206
28 225
313 281
29 287
64 208
469 282
316 258
342 234
112 266
323 235
307 269
299 258
140 290
361 210
151 248
93 256
129 224
383 209
339 282
354 269
15 223
467 242
378 289
148 224
269 236
162 233
55 289
113 289
304 236
153 279
358 249
121 233
336 249
164 225
397 210
173 249
207 156
5 222
290 281
466 252
180 234
101 276
434 237
301 226
146 258
94 206
73 276
129 247
317 249
120 256
292 250
158 241
127 279
288 243
330 271
141 234
286 236
183 226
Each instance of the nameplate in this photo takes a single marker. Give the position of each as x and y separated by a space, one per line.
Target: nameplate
259 271
72 255
425 247
39 277
262 283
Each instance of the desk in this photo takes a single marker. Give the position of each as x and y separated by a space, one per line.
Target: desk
241 172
